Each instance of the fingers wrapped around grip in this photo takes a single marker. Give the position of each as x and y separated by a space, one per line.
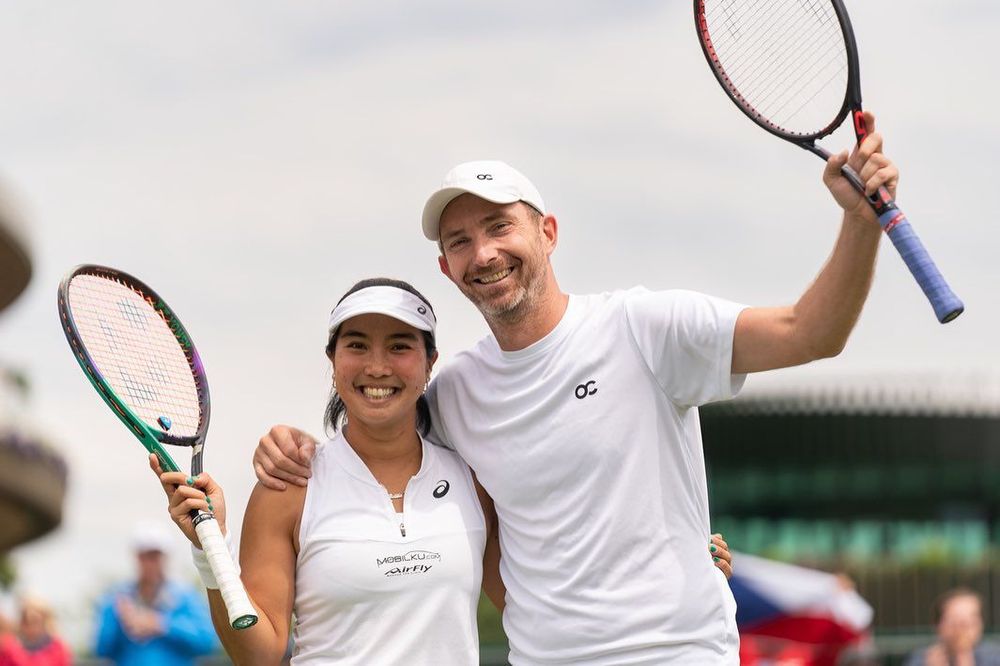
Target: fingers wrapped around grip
186 494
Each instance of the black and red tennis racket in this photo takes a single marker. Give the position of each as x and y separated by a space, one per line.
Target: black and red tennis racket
792 67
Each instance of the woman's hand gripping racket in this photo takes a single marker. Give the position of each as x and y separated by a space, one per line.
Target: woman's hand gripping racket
792 67
139 357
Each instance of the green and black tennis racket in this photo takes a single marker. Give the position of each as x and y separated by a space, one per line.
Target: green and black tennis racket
141 360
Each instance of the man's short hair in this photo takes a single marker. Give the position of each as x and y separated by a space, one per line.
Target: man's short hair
949 595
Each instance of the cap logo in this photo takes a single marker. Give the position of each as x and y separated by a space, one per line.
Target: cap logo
484 176
421 309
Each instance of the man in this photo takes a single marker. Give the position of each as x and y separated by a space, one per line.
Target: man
579 417
958 615
153 620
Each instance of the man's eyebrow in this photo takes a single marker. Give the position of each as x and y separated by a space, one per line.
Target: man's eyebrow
492 217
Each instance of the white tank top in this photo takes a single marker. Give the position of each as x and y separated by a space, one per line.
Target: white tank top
376 587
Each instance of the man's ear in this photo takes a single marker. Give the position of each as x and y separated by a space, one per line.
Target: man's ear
550 230
445 269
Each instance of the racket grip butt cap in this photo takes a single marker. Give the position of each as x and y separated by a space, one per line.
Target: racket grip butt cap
241 612
947 306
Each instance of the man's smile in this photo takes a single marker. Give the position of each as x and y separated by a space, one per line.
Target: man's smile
493 277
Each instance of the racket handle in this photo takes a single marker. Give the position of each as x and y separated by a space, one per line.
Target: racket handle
241 612
946 304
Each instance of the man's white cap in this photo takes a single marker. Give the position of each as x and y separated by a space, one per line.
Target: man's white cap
487 179
149 537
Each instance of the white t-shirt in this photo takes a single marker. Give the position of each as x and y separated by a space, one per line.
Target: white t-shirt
366 594
589 443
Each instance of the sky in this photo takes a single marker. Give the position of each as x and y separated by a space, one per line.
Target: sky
253 160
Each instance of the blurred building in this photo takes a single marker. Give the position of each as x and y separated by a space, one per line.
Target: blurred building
32 475
896 483
15 266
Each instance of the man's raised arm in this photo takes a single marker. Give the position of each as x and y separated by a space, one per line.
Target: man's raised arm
818 325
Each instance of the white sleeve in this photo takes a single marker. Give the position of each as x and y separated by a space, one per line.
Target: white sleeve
686 340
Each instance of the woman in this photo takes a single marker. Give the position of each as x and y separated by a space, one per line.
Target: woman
37 642
382 556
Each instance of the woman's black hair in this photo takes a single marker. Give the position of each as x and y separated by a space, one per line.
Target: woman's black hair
336 415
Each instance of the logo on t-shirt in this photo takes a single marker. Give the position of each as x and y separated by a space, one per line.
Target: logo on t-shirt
441 489
407 564
585 389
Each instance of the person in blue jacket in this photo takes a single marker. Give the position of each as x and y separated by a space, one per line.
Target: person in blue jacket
153 620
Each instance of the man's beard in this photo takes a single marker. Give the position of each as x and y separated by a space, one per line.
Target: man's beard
516 308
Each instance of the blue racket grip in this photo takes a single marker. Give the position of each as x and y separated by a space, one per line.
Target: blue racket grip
946 304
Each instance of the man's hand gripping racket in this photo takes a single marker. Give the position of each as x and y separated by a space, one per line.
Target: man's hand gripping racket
140 359
872 169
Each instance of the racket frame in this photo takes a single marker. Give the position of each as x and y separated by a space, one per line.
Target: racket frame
947 306
852 94
241 611
150 437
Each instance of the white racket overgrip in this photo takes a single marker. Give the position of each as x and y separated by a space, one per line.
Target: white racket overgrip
241 612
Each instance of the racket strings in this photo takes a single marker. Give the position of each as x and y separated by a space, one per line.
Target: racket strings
834 80
785 60
772 60
736 25
136 352
761 18
773 102
775 72
777 56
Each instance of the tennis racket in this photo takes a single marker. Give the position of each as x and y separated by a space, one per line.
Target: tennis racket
792 67
141 360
